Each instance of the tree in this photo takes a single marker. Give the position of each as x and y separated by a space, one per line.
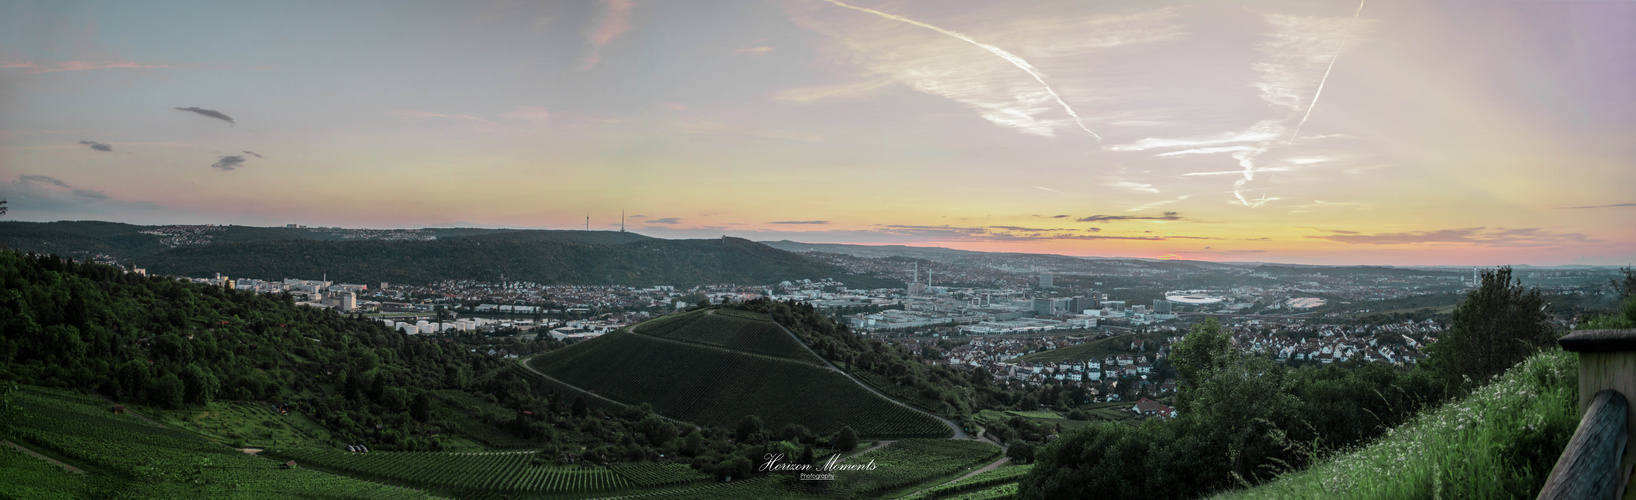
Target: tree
167 392
420 409
748 427
1498 325
1020 452
846 439
2 207
579 409
1205 349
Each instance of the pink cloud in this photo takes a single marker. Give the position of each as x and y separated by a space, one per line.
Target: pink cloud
755 51
55 66
534 113
615 23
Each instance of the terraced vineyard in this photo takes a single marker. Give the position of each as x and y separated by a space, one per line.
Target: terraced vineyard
985 481
757 488
648 475
492 472
29 477
719 387
911 461
126 456
732 329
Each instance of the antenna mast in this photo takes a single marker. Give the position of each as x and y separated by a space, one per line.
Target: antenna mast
587 221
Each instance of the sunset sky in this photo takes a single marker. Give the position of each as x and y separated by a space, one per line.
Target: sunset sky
1305 131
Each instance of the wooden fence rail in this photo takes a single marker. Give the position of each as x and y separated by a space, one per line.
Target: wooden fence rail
1598 460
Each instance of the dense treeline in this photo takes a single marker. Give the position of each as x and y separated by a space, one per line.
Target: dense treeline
1244 419
640 263
167 343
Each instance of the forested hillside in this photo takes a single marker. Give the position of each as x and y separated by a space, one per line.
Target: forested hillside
213 361
425 255
643 263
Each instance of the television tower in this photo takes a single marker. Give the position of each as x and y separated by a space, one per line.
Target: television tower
587 221
621 221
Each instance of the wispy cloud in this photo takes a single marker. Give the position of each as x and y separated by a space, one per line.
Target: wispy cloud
55 66
614 23
755 49
99 146
1532 236
1616 205
666 220
1019 62
1002 85
1320 90
842 91
46 196
529 113
253 153
1111 218
800 222
1156 204
209 113
1296 56
1137 186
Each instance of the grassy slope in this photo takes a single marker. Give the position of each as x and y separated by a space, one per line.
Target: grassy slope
717 386
1499 442
129 457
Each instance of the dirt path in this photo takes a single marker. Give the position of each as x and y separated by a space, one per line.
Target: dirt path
997 464
878 445
52 461
526 366
959 433
954 426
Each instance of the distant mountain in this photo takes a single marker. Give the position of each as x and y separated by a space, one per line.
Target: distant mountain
425 255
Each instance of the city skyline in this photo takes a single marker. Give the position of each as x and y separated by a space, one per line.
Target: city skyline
1335 132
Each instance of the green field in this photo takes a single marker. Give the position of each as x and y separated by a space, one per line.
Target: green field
731 329
719 386
128 457
1095 349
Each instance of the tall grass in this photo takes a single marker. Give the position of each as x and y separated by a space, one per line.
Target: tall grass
1499 442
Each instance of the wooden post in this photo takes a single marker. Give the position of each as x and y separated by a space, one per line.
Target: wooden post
1607 361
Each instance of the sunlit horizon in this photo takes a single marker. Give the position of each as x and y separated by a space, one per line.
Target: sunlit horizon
1335 132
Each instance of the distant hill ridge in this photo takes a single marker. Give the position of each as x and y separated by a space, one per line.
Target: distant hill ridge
540 256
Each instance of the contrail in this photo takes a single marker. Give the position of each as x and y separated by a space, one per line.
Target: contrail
1012 58
1326 77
